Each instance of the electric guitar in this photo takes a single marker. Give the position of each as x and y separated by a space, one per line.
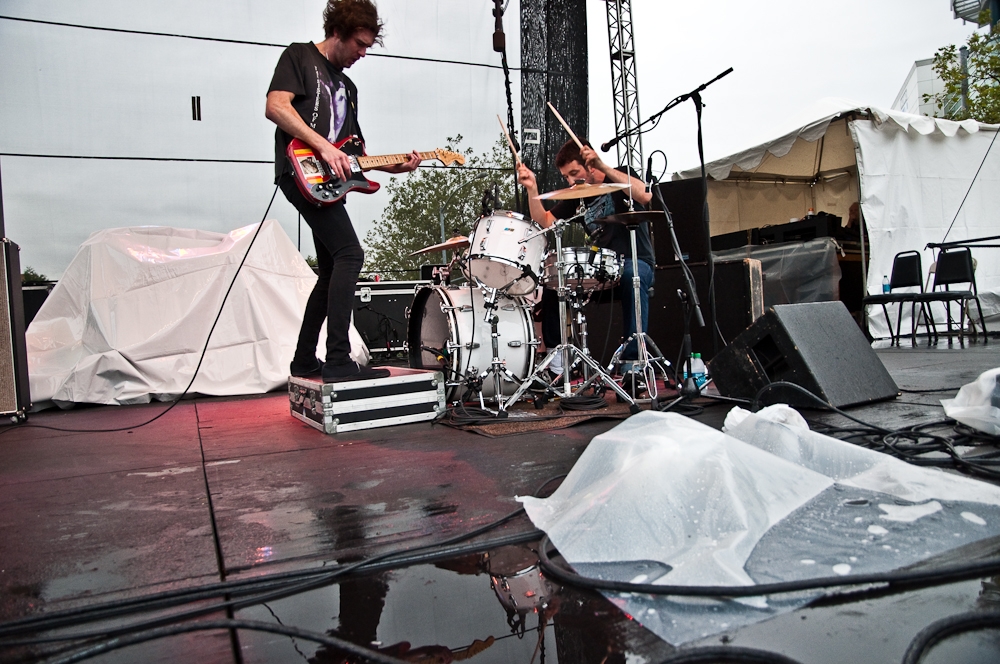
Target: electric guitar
321 186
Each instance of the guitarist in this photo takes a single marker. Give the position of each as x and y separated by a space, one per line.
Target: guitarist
310 98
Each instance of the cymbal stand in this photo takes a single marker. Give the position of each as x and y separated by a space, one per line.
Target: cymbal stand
570 353
646 362
498 367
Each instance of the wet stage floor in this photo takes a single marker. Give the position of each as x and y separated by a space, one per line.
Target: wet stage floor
236 490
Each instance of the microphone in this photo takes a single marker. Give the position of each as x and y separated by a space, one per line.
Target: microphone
649 173
499 39
607 146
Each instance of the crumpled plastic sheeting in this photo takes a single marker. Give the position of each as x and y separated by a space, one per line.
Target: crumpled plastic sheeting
663 493
128 320
977 404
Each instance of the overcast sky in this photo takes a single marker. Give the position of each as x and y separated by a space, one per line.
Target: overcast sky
84 92
786 55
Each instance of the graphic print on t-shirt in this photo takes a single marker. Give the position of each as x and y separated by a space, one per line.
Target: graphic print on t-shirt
601 207
333 102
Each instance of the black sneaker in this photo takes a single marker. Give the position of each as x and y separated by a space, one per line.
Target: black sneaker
338 373
303 370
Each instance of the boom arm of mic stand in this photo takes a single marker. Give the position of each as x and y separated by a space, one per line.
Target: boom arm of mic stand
674 102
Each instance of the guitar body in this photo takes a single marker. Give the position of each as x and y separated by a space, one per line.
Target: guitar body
315 179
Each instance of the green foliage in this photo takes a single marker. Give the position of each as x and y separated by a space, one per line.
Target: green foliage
983 80
411 220
29 276
311 261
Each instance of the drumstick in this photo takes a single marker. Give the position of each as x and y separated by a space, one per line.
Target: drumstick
565 126
517 157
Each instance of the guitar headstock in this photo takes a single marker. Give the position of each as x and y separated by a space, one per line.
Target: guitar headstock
448 158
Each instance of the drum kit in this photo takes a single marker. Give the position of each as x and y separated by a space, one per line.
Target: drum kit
481 335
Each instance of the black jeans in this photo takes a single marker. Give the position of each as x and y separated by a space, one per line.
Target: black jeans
340 259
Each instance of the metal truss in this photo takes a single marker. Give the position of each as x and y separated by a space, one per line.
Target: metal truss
624 86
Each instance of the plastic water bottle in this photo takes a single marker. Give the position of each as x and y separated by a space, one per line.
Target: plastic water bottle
885 283
698 371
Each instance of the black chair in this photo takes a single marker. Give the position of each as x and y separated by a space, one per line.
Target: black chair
955 266
906 273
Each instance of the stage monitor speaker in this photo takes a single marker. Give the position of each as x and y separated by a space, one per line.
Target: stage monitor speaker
740 301
816 345
685 200
15 395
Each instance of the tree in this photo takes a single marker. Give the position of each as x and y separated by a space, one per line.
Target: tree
418 200
983 98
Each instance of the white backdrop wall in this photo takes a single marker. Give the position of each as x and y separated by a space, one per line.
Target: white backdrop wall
914 177
71 91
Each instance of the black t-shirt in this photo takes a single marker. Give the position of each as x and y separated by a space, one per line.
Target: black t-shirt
610 236
324 97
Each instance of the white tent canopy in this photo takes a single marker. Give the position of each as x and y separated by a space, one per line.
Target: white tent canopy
130 317
919 180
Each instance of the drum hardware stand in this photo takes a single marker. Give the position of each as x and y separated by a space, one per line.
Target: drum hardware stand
566 349
498 367
645 363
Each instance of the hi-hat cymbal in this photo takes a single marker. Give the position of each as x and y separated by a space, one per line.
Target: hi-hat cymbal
631 218
582 191
457 242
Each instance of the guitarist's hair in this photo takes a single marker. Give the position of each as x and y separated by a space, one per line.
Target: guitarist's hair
345 17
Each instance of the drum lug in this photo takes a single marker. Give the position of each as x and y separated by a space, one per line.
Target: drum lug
514 344
508 307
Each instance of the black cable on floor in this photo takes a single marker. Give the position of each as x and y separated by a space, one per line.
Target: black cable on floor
203 625
583 403
273 586
942 629
727 655
898 579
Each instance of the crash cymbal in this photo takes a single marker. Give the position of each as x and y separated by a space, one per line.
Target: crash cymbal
631 218
457 242
582 191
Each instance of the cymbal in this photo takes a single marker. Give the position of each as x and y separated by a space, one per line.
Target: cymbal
582 191
631 218
457 242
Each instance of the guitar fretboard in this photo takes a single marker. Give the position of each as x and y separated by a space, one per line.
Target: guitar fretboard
368 163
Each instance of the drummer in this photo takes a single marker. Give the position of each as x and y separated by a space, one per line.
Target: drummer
577 165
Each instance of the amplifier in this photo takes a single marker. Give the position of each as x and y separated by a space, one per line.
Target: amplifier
380 311
15 395
686 201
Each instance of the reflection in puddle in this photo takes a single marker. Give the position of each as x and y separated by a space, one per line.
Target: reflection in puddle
491 608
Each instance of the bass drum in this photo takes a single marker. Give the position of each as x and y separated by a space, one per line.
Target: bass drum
447 333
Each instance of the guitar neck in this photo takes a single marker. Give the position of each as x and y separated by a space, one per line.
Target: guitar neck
368 163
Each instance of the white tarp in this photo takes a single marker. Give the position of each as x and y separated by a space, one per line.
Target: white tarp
663 499
129 318
914 177
913 172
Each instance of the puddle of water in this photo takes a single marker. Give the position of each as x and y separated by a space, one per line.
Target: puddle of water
488 608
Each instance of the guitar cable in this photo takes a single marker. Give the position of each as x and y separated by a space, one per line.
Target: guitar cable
201 357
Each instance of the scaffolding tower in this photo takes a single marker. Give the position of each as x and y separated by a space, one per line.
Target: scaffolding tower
624 86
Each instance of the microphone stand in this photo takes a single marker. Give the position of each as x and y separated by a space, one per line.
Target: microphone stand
695 96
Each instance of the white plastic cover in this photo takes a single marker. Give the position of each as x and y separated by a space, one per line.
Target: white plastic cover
663 499
978 403
128 320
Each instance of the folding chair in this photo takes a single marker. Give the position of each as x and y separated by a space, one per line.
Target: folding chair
956 266
906 273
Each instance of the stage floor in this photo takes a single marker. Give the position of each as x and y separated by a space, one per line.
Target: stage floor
223 489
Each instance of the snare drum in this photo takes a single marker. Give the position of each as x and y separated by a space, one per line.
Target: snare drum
586 269
497 257
450 320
